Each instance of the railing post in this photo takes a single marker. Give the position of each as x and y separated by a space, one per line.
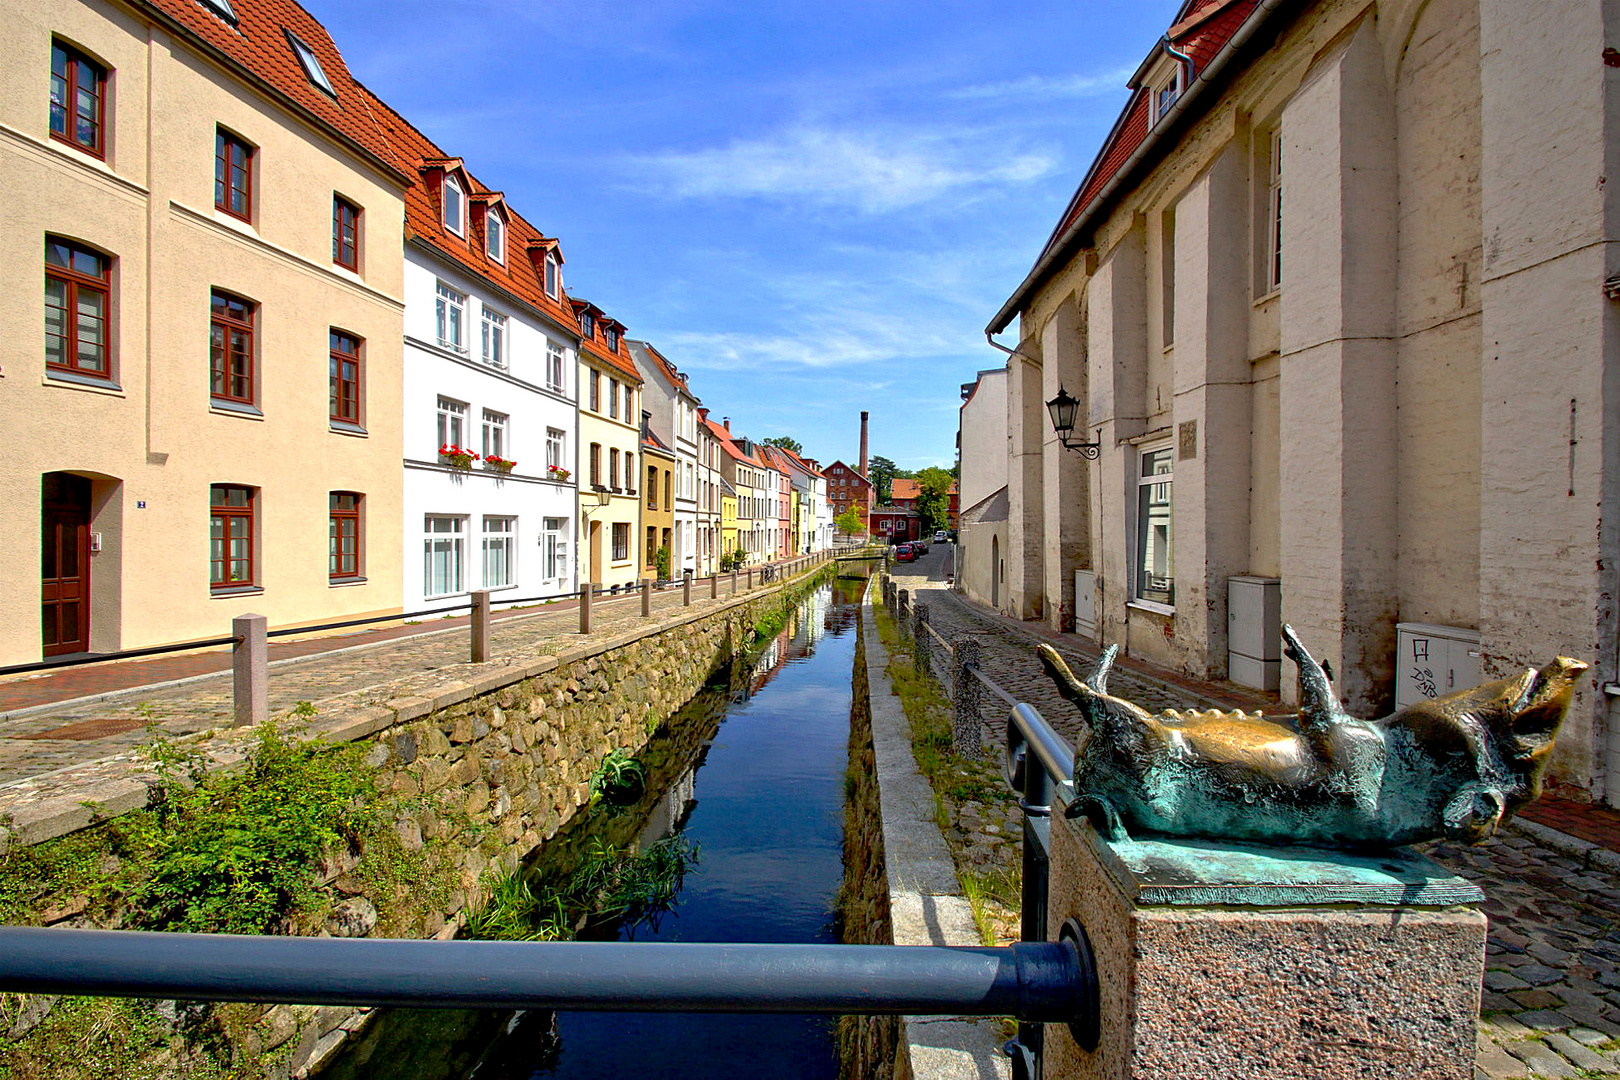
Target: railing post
748 581
480 626
686 589
902 610
734 583
1036 872
714 585
967 734
922 644
250 667
585 591
646 596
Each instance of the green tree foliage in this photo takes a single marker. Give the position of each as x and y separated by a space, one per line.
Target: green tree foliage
661 563
787 443
849 523
881 471
934 500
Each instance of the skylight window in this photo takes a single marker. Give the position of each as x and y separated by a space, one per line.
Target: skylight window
306 57
222 8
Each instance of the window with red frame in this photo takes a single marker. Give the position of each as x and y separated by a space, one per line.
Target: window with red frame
345 233
230 536
78 100
343 536
230 348
345 377
77 282
233 175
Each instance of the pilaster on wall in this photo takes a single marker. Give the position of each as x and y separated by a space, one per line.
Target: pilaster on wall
1212 395
1337 360
1066 488
1548 375
1026 425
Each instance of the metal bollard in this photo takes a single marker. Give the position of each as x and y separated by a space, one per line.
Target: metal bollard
250 667
585 592
646 596
480 626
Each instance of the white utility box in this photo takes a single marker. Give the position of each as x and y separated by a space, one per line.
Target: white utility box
1085 603
1254 631
1433 661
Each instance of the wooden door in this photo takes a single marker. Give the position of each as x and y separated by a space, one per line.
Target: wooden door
596 552
65 565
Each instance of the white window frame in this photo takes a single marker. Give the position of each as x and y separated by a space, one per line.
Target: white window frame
494 338
452 427
554 548
1160 600
499 535
450 313
450 541
495 236
1272 278
309 62
556 448
556 361
459 225
497 439
553 282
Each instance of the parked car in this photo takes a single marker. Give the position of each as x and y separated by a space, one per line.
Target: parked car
905 553
941 536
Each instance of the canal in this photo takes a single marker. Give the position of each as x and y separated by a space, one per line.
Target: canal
749 776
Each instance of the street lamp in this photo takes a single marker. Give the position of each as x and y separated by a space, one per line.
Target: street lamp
1064 409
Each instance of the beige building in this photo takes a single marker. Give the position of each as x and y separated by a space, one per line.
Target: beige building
203 399
1333 303
609 439
981 537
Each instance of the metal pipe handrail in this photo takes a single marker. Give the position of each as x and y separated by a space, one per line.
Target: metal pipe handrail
1043 982
122 654
1054 752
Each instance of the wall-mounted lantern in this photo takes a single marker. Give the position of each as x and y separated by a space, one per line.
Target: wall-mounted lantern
1064 410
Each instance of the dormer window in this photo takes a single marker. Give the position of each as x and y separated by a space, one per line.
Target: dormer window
311 66
612 336
553 276
455 206
587 325
1165 82
495 236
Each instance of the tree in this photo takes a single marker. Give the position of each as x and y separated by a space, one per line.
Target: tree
882 472
793 446
849 523
934 498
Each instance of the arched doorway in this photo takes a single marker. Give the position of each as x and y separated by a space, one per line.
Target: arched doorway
995 572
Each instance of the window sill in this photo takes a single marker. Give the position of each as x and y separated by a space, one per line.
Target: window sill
1267 297
1151 605
84 382
344 583
235 408
343 427
237 590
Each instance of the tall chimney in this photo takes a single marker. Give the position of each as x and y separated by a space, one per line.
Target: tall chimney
863 444
726 420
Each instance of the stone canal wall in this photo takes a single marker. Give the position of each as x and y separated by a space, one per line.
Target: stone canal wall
478 771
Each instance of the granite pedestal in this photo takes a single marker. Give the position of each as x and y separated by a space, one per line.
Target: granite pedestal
1229 961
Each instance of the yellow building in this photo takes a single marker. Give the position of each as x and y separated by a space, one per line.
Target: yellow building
728 518
609 439
657 506
203 400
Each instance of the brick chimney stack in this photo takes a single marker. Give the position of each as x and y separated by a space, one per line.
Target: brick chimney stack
726 420
863 445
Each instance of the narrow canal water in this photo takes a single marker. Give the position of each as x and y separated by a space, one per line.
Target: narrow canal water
751 772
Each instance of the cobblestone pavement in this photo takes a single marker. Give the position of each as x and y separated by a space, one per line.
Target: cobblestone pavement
1551 996
367 674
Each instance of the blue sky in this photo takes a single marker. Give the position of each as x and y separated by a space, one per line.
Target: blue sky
811 208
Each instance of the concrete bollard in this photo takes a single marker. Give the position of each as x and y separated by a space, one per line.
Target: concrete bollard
748 583
480 626
585 591
646 597
734 583
250 670
967 731
922 642
902 610
714 586
686 589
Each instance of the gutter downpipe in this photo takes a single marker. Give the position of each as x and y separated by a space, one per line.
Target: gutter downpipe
1217 63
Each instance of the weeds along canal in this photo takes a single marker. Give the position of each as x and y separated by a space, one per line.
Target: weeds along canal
727 827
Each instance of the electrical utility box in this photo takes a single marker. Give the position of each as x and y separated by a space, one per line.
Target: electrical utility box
1085 603
1254 631
1433 661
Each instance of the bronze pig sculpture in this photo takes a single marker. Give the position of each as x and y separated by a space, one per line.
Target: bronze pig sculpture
1456 767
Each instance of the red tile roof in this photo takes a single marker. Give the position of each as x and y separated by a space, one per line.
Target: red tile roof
1201 29
905 487
256 47
732 449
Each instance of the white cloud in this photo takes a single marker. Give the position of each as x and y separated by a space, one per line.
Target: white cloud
875 170
1047 87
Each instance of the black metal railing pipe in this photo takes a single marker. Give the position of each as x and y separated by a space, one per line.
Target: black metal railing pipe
1033 981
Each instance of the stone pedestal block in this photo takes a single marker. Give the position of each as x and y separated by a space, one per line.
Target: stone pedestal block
1226 961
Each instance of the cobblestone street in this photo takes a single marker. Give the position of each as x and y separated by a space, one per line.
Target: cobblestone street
1551 999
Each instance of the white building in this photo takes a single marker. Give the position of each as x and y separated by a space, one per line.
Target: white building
674 419
489 366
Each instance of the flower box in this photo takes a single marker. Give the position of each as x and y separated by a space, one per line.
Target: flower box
457 457
495 463
558 474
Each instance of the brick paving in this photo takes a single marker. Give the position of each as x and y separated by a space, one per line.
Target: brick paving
1550 1002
